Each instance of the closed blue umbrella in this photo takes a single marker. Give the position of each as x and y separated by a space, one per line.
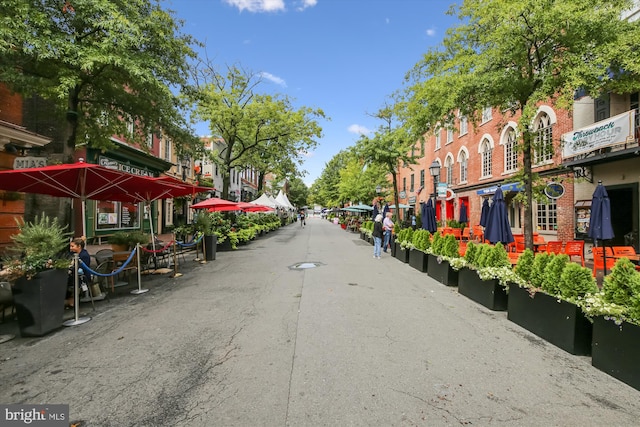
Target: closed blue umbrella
375 211
429 217
464 218
484 213
385 209
498 228
600 227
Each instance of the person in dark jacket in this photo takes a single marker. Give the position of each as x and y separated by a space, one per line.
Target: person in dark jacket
377 236
84 277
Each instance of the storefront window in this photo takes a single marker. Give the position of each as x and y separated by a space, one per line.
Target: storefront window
547 218
117 215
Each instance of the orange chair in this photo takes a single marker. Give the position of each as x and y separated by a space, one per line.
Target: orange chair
624 250
554 247
575 248
513 257
466 234
457 233
478 233
519 241
598 259
539 244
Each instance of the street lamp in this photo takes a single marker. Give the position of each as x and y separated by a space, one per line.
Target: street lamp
434 171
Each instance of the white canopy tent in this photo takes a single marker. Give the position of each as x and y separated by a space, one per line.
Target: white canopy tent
266 201
283 200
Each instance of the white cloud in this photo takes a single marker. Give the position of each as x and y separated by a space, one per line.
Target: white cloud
387 20
361 130
431 32
275 79
258 5
307 3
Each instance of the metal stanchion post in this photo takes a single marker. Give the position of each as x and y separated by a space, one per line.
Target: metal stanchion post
77 320
175 262
139 290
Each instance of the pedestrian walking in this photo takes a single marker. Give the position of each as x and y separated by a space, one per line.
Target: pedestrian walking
302 219
377 236
387 227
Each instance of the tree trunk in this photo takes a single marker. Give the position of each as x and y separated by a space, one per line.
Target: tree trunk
528 190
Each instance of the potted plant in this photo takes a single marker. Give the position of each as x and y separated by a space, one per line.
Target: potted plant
403 243
439 265
39 266
550 303
487 275
421 240
616 324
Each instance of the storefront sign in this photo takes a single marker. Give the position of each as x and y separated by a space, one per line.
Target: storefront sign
554 190
412 200
29 162
612 131
123 167
402 194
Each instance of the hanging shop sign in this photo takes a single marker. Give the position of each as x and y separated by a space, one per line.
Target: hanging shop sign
612 131
554 190
124 167
29 162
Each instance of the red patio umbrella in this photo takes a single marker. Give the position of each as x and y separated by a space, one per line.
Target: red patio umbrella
76 180
252 207
216 204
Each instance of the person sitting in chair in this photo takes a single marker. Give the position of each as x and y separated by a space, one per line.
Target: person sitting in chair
84 278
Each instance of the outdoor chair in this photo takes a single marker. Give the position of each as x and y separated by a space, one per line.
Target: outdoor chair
539 244
626 251
103 255
457 233
466 234
554 247
519 241
598 259
478 233
119 258
575 248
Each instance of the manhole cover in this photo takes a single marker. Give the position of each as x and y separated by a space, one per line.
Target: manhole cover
304 265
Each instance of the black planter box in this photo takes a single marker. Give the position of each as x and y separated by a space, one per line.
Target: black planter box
488 293
561 323
401 254
40 302
224 246
418 260
441 271
210 245
394 247
615 350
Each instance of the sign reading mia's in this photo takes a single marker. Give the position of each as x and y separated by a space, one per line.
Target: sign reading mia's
34 415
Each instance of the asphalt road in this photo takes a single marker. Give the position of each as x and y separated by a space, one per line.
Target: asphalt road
250 340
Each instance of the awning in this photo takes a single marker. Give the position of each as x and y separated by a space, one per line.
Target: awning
512 186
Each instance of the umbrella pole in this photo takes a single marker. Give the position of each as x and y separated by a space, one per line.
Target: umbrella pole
139 290
76 298
153 240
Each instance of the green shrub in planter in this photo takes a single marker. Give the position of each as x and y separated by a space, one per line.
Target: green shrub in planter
540 262
421 239
450 247
437 243
575 281
552 273
622 287
524 267
471 254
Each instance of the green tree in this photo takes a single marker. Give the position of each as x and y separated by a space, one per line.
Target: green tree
389 148
326 189
513 54
252 125
298 192
103 65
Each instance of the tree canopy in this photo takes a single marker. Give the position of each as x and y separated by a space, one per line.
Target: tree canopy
261 130
512 55
104 65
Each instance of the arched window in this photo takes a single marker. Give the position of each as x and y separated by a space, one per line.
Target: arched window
510 152
448 164
486 151
543 141
463 159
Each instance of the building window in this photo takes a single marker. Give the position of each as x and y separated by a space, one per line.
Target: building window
412 188
438 139
486 158
448 164
422 178
487 114
510 152
150 140
449 134
463 166
167 149
404 184
543 140
117 215
547 219
422 147
464 126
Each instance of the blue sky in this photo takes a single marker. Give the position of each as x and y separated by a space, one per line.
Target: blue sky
343 56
